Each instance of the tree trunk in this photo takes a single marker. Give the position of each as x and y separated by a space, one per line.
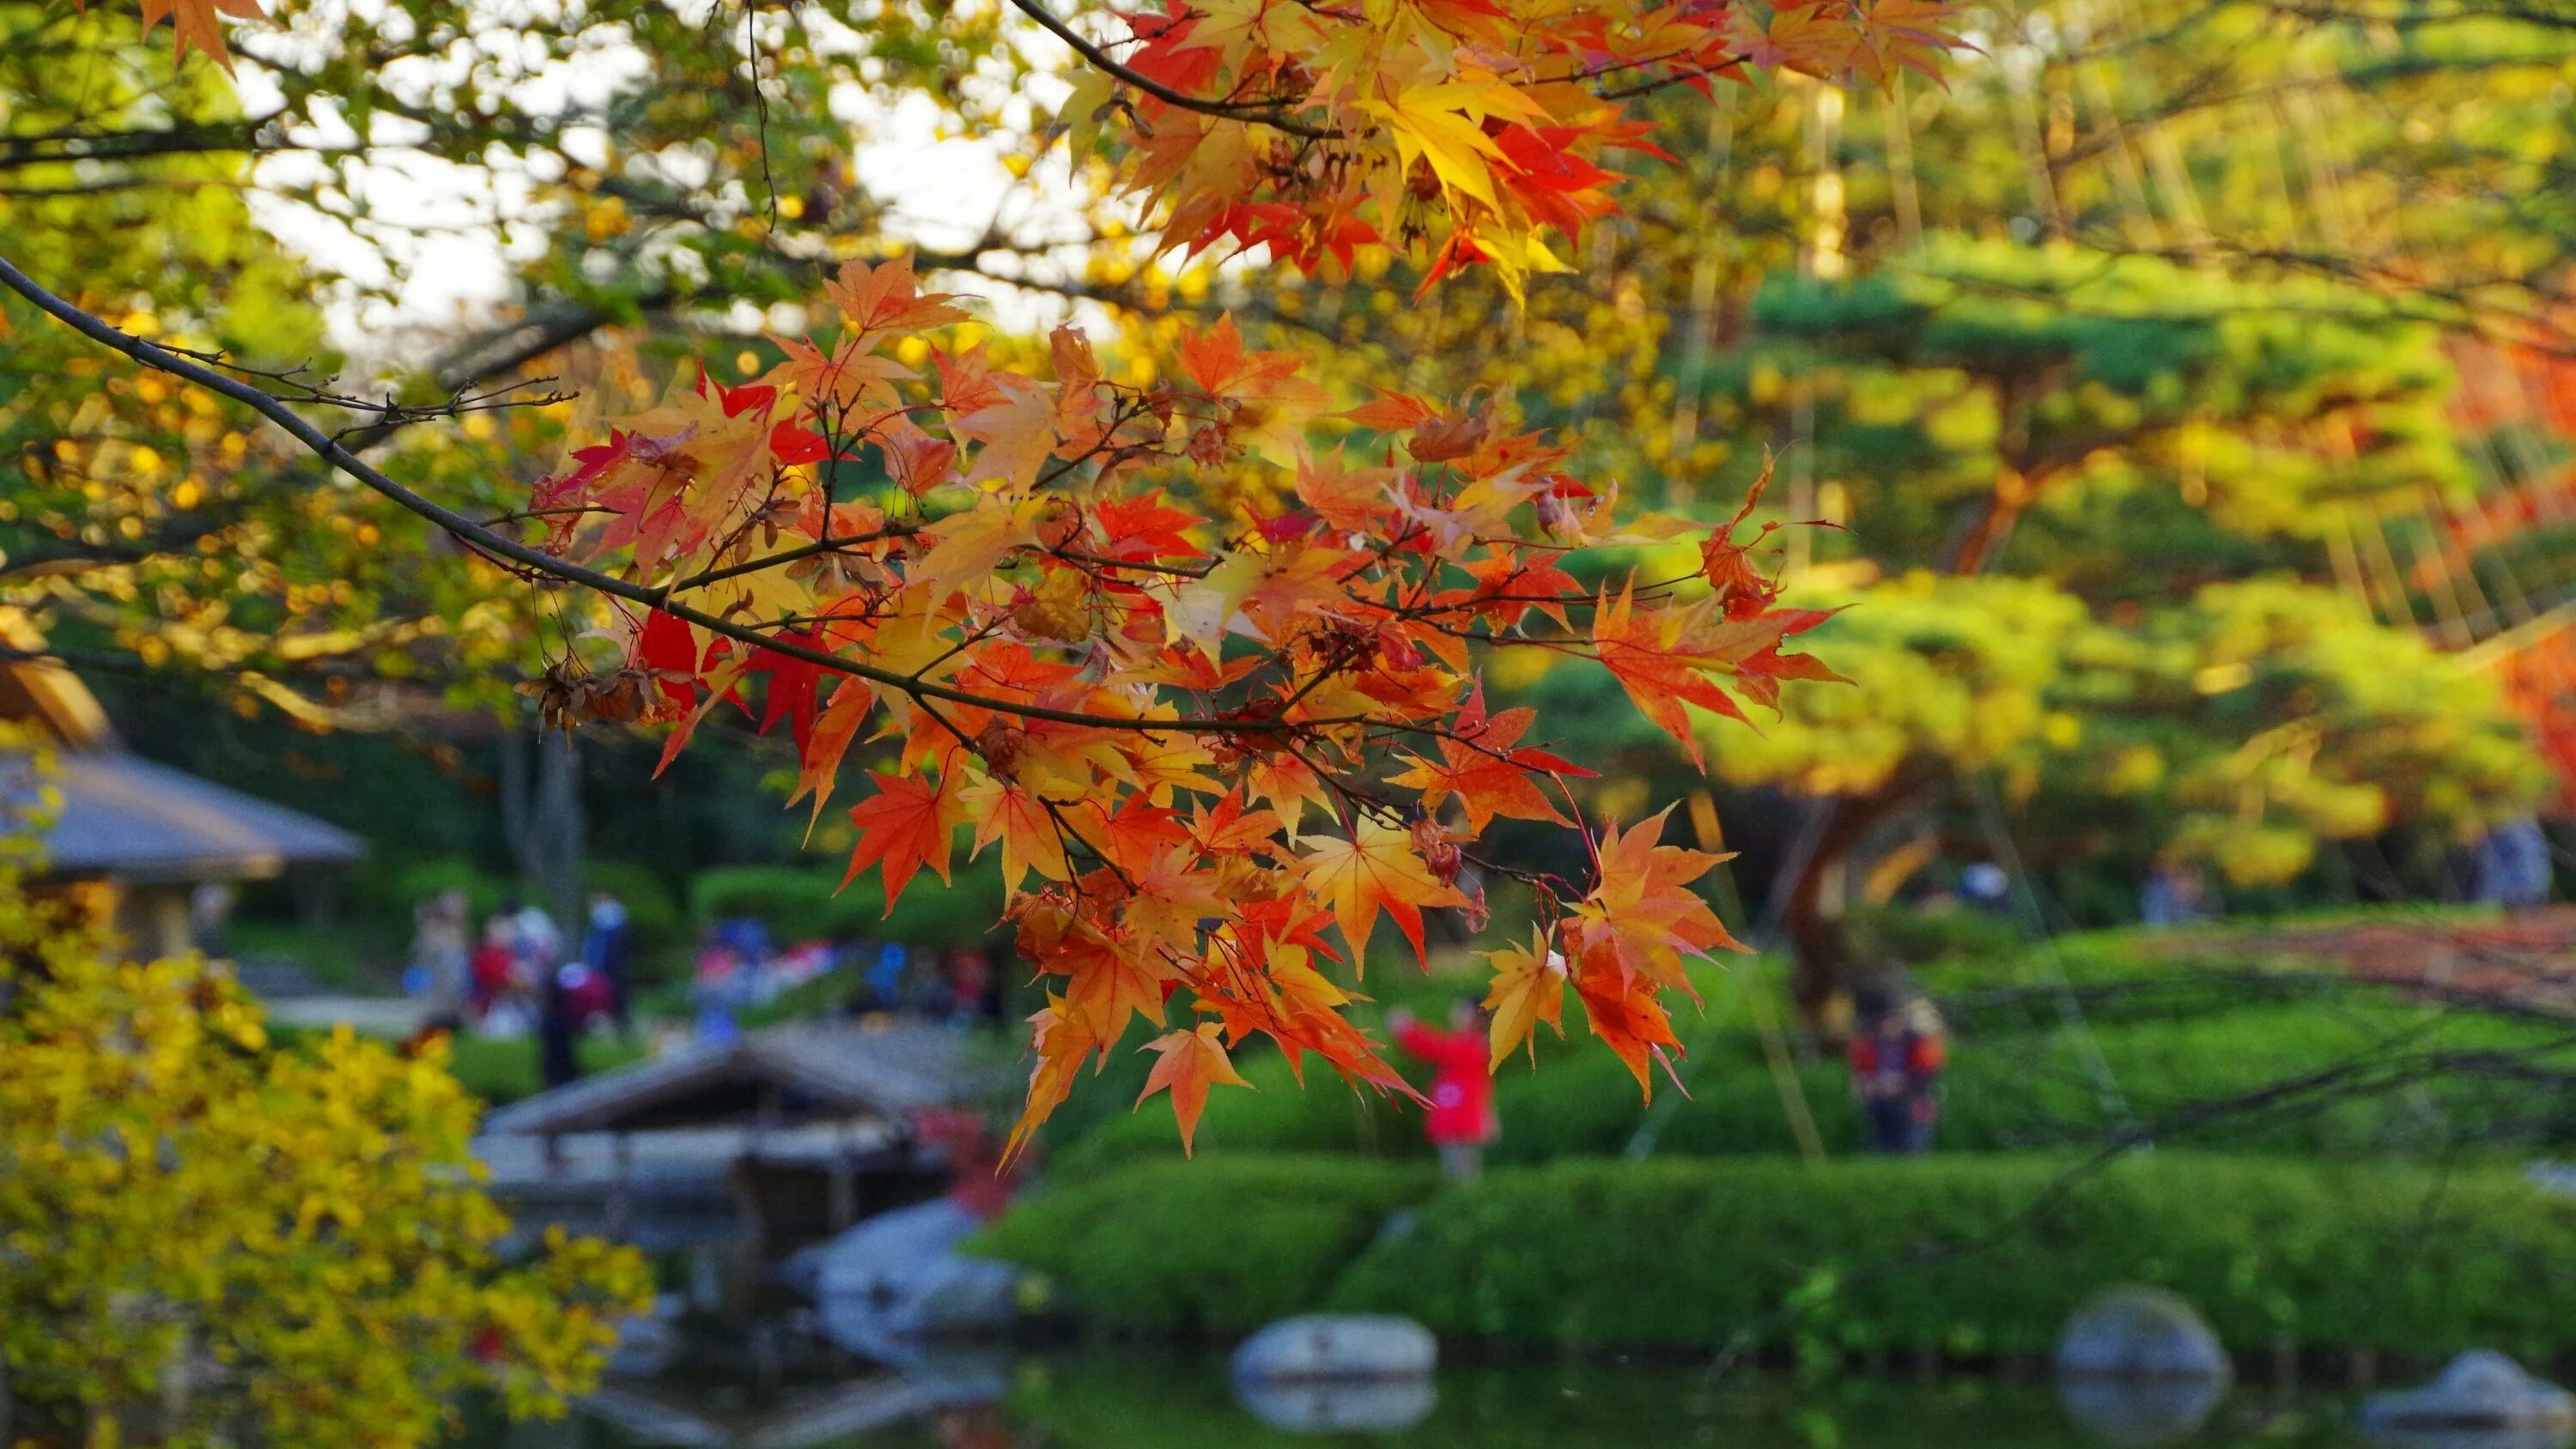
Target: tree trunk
1820 964
541 814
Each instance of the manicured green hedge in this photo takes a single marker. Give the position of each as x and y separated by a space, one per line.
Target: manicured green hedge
1981 1256
1183 1248
806 903
1967 1256
2006 1091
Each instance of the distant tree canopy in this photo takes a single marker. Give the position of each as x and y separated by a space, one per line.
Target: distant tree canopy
2135 308
2156 314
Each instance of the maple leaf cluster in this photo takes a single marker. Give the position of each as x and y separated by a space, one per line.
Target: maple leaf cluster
1467 131
1215 753
1470 131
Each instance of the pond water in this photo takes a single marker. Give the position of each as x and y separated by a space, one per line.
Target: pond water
788 1395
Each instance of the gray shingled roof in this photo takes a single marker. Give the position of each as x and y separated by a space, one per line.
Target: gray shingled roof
126 817
892 1073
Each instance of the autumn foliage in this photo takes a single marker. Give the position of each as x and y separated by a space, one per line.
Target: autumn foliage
1199 656
1470 129
1200 740
218 1238
1467 132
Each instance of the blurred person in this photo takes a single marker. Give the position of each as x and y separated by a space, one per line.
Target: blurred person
884 978
586 995
970 972
992 1007
540 945
559 1025
442 953
210 906
2512 867
1984 886
608 947
719 986
747 939
927 993
1897 1050
495 967
2173 896
1460 1121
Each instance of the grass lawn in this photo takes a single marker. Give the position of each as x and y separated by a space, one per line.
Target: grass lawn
503 1069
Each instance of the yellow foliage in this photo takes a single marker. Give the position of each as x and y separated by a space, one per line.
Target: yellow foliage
206 1236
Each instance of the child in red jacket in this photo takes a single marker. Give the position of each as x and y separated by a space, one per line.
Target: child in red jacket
1461 1118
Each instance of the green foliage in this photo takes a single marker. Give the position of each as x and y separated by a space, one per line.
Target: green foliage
2238 726
1181 1248
502 1069
2180 1043
359 955
1985 1256
804 902
1961 1255
1905 937
1958 671
652 912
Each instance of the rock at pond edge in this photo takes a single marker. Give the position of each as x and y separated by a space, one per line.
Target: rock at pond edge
2140 1333
1319 1347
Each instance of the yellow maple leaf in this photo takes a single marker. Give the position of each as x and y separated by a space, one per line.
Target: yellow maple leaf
1529 987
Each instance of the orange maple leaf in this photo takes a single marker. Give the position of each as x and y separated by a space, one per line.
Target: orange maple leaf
1643 913
1484 771
906 825
1031 839
193 23
1663 656
1060 1044
1108 987
1622 1010
1377 867
885 298
1192 1061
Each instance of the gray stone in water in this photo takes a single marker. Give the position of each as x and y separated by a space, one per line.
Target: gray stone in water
1325 1347
2140 1334
2482 1400
898 1278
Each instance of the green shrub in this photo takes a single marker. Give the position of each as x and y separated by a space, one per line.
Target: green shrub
2019 1081
1970 1256
412 884
1184 1248
1979 1256
806 903
651 909
1908 937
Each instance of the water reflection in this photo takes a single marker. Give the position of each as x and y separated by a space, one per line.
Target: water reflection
1379 1406
783 1384
2133 1412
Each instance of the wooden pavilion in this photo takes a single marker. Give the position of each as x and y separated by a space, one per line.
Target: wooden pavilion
130 839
